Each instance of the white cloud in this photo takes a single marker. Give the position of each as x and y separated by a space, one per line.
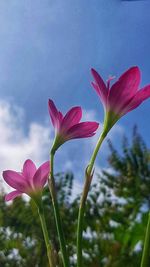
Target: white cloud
89 115
15 144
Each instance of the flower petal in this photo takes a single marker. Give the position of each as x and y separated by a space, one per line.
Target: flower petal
81 130
100 86
15 180
54 114
12 195
60 117
29 169
124 89
41 175
72 117
140 96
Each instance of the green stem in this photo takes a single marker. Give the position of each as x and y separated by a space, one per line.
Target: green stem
146 250
86 188
52 189
95 152
46 238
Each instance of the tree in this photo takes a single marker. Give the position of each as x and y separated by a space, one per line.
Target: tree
115 220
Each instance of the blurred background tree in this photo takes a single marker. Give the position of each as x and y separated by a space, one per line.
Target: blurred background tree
115 220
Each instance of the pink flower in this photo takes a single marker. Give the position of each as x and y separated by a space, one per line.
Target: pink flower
123 96
69 126
30 181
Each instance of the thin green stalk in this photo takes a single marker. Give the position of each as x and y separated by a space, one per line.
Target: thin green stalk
146 250
52 189
46 238
88 179
95 152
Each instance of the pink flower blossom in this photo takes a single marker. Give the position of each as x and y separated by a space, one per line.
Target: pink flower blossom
30 181
69 126
123 96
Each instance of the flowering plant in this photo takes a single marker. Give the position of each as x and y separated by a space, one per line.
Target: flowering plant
122 97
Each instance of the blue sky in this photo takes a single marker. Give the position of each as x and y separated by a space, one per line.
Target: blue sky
48 47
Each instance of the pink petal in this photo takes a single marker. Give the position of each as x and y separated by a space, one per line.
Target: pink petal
15 180
140 96
41 175
124 89
54 114
72 117
81 130
12 195
29 170
100 86
60 117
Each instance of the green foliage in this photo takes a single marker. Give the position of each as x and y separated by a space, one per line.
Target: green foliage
115 220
